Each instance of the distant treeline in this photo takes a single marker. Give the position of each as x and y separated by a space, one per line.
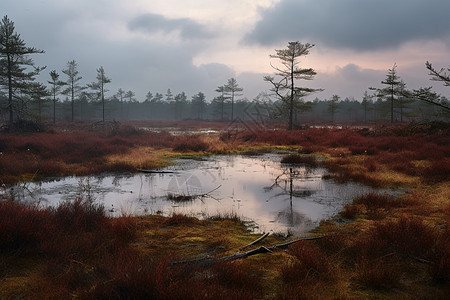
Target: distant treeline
262 109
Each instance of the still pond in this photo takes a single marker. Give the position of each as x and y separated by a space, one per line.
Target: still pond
271 195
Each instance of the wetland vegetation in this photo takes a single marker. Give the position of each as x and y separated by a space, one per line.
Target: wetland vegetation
378 246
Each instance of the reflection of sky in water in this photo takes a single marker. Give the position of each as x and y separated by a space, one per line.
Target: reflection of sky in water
276 196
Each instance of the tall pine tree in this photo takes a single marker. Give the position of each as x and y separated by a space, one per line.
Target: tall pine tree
285 86
17 69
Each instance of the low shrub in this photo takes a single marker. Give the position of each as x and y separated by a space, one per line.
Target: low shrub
128 275
373 200
440 257
407 235
237 275
377 274
309 148
363 149
299 159
334 243
350 211
180 219
79 215
309 263
72 227
22 226
116 167
371 165
125 131
189 143
439 170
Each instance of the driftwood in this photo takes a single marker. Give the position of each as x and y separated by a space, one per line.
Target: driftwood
238 255
422 260
256 241
206 194
183 197
212 260
285 245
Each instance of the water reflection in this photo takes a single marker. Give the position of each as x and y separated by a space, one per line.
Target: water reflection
288 216
277 197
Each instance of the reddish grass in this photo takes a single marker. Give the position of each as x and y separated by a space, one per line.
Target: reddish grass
309 148
238 275
56 152
350 211
60 153
132 276
378 205
363 149
22 226
88 254
383 256
299 159
371 164
180 219
341 170
440 258
377 274
72 227
438 171
407 235
187 143
309 263
374 200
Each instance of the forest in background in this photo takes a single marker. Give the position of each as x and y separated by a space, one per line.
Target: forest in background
23 98
262 109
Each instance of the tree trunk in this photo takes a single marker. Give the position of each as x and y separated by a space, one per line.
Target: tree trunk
10 93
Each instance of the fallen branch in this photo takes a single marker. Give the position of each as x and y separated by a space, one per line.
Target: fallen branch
422 260
183 197
206 194
238 255
256 241
285 245
211 260
261 250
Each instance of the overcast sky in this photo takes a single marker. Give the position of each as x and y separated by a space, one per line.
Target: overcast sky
197 45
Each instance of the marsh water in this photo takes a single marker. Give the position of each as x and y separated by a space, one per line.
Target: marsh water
273 196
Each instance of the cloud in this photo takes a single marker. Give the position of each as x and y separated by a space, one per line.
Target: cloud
153 23
352 24
350 80
135 42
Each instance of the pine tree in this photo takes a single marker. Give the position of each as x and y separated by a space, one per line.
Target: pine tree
333 106
55 89
99 86
74 88
15 63
232 88
199 104
285 88
221 98
394 89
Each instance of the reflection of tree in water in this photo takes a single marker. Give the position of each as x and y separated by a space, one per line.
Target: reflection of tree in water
291 218
285 182
185 184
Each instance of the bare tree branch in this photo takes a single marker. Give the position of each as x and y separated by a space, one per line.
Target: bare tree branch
440 75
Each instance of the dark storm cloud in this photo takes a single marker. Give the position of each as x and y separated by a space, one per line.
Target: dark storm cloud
153 23
353 24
